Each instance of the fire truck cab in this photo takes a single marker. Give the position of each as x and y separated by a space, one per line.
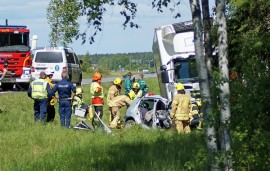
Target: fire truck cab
15 54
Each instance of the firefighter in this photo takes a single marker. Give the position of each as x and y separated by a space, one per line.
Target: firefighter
128 82
195 120
97 94
143 85
116 104
136 89
114 91
78 102
40 91
180 109
64 89
50 108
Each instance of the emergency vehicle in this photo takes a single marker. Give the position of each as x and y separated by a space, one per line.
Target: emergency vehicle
15 54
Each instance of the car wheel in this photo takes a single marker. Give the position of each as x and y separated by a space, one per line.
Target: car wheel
129 123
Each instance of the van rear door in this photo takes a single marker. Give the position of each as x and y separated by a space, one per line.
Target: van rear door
72 67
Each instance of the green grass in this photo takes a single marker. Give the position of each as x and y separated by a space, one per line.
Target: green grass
26 145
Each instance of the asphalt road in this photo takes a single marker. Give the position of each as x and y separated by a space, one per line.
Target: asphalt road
110 79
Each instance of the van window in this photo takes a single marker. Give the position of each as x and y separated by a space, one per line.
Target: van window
76 59
70 58
49 57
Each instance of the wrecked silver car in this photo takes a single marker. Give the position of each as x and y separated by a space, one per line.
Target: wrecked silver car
149 111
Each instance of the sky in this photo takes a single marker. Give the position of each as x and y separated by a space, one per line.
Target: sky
113 39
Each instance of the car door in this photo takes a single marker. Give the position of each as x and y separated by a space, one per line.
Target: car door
71 67
77 67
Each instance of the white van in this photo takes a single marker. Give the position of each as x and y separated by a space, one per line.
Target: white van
59 59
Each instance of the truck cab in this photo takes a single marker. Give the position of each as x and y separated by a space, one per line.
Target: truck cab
174 54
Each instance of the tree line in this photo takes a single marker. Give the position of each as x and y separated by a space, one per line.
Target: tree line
116 62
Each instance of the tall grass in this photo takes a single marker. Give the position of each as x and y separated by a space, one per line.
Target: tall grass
29 145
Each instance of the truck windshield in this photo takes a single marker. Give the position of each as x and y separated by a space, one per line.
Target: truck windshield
49 57
186 71
10 42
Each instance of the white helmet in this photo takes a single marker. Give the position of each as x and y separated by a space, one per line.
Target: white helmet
49 71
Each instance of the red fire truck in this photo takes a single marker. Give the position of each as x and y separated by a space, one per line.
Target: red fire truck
15 55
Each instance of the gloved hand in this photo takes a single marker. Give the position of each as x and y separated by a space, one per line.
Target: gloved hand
99 89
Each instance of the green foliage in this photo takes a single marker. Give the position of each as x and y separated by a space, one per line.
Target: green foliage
26 145
249 58
62 16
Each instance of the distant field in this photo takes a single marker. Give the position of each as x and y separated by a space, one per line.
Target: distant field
26 145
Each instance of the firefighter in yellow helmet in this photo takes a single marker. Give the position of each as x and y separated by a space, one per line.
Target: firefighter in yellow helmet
114 91
78 102
97 94
50 108
180 109
116 104
136 90
195 116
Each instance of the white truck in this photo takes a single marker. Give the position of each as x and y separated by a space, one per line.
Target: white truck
174 55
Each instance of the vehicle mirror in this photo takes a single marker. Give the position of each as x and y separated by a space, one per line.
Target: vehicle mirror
81 61
163 67
165 77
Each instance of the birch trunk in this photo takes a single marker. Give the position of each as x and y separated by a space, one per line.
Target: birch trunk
203 77
225 112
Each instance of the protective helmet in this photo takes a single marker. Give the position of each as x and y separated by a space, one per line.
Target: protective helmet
131 95
199 102
117 81
49 71
79 91
97 76
136 86
180 86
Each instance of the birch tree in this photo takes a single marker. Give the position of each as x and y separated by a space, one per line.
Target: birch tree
203 77
225 113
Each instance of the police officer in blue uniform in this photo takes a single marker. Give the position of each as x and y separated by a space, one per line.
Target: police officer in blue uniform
64 89
39 90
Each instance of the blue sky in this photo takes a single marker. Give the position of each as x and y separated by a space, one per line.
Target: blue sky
113 38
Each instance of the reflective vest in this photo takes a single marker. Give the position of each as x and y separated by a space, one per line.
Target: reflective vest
181 107
137 94
77 101
194 110
112 93
120 101
39 89
97 94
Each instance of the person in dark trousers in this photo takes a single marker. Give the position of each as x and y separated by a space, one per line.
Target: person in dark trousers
40 91
64 89
96 90
50 108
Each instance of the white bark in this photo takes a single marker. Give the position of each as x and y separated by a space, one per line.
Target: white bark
225 112
203 77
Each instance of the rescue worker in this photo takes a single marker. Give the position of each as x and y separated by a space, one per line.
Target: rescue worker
136 90
143 85
195 120
116 104
50 108
78 102
64 89
40 91
114 91
180 109
4 72
97 94
128 82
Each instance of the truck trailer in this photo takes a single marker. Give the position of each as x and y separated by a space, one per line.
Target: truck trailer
174 55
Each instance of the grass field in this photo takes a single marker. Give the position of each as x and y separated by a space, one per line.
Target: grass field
26 145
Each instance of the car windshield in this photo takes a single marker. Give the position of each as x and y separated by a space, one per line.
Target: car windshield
49 57
10 42
186 71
